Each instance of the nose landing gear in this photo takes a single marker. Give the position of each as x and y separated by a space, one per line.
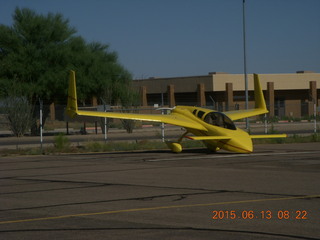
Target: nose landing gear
176 146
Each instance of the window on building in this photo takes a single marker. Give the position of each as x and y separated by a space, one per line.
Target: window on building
279 107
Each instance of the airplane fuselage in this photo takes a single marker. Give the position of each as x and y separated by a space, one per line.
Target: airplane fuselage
217 124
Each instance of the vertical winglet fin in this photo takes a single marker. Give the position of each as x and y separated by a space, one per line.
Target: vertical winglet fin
260 104
72 106
258 94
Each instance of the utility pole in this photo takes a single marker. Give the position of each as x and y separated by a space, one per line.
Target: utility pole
245 61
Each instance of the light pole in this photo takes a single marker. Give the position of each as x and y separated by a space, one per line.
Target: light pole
245 61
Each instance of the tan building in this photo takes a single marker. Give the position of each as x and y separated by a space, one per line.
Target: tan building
292 94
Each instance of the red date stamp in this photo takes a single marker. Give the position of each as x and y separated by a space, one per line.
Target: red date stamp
264 214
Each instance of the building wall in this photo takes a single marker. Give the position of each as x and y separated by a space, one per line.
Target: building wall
292 108
291 92
281 81
182 84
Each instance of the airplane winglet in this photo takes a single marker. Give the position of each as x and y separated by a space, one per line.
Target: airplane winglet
72 106
258 95
260 104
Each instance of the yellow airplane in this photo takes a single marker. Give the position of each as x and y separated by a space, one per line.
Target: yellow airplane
216 129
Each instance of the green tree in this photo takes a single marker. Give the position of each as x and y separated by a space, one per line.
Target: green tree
35 52
38 51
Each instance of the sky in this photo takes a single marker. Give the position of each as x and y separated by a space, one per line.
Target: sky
170 38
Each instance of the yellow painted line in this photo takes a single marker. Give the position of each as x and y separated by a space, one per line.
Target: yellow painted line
155 208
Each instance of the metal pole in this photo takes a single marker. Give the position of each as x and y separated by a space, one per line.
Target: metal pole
162 128
41 138
245 61
105 121
162 124
67 126
265 124
314 101
315 116
105 124
213 102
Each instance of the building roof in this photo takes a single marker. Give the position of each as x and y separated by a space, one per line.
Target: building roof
217 82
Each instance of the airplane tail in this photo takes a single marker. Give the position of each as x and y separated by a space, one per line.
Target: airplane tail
72 106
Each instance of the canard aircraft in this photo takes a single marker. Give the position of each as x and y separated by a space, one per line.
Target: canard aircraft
216 129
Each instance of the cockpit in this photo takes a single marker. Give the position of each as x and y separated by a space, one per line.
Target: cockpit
217 119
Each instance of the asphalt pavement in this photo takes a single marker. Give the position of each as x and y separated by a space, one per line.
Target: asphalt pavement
272 193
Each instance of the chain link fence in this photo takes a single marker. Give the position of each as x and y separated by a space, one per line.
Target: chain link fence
296 116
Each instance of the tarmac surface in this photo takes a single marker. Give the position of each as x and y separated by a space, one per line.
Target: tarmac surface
272 193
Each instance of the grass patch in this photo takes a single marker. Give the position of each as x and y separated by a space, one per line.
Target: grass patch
63 145
123 146
22 151
61 142
133 146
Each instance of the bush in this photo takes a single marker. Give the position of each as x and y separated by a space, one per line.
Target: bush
61 142
19 114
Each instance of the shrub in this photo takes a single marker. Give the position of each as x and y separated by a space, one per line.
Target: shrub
61 142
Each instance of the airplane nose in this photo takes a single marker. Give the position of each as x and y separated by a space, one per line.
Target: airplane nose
248 148
244 146
244 143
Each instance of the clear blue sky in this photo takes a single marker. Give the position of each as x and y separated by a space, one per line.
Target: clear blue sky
170 38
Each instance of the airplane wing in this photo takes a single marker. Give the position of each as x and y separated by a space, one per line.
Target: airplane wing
260 104
173 118
208 137
240 114
268 136
226 138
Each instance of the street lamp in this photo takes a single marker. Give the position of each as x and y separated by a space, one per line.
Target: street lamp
245 61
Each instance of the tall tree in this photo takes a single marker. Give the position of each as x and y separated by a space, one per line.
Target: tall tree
34 51
38 51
